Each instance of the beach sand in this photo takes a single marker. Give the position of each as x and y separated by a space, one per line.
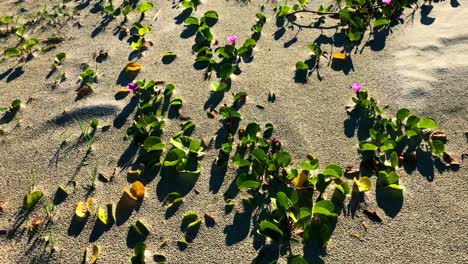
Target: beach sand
422 65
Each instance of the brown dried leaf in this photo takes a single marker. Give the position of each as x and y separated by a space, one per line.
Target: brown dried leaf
210 219
352 171
211 114
439 135
85 90
35 223
450 159
372 215
365 225
357 235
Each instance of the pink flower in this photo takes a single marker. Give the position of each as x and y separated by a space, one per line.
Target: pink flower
132 86
232 39
387 2
356 86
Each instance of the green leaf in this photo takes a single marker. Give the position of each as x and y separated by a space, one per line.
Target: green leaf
143 30
226 147
269 229
301 66
368 147
396 186
343 188
211 14
144 6
176 101
6 20
187 4
173 157
427 123
389 145
283 158
247 181
169 54
153 143
354 35
126 10
16 104
20 31
402 114
324 207
437 146
381 22
332 170
315 49
410 133
30 44
297 259
218 86
140 228
31 199
282 200
12 52
191 21
168 89
59 57
139 253
229 112
310 165
189 217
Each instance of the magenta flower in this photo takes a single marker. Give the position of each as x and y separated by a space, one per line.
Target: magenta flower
232 39
387 2
356 87
132 86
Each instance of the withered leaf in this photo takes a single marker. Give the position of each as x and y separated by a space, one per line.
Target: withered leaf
85 90
450 159
372 215
439 135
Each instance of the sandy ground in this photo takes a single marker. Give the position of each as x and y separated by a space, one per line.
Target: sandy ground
422 65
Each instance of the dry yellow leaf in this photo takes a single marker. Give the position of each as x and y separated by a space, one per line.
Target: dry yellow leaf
122 90
135 173
132 67
95 255
102 216
138 189
90 205
129 193
79 210
339 55
300 179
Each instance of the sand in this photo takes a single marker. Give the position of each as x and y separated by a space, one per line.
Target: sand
421 65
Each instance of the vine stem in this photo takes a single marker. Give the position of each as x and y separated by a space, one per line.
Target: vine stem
313 12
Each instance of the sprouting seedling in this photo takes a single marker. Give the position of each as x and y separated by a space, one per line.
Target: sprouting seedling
86 134
59 58
189 4
30 44
20 31
65 135
91 185
126 10
15 105
143 7
12 52
49 209
6 21
109 8
88 75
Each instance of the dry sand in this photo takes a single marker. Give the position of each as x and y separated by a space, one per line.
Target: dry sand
422 66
